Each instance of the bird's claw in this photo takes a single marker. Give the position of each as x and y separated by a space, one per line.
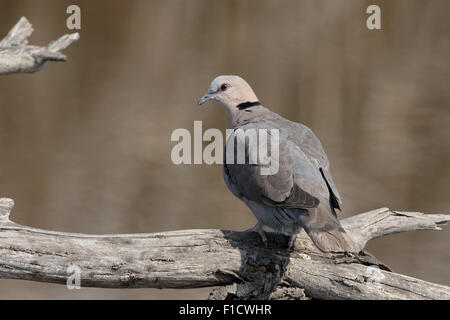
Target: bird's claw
259 229
291 241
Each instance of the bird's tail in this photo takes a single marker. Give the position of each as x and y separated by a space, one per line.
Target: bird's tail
325 230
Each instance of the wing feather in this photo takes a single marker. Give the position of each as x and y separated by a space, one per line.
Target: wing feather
278 190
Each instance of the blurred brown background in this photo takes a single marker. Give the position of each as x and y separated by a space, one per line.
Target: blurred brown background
86 143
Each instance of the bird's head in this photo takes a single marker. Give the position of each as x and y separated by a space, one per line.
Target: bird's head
230 91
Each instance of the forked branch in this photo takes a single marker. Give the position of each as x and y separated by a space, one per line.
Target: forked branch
17 56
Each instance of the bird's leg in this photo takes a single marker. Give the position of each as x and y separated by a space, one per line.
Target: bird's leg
292 240
256 228
259 228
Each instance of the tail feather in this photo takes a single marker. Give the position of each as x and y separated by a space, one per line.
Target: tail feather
325 230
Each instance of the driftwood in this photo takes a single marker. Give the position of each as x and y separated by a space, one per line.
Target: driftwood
16 56
237 261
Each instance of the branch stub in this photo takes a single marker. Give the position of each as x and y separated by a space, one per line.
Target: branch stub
6 205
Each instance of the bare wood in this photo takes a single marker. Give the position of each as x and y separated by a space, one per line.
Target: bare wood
201 258
381 222
17 56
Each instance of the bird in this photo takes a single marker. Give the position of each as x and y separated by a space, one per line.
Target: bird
302 193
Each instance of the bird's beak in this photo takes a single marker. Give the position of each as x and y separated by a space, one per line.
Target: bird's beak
204 99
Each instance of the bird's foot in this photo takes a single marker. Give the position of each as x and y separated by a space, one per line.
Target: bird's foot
259 228
291 240
262 234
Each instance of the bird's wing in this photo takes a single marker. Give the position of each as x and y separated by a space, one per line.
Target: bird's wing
304 137
296 184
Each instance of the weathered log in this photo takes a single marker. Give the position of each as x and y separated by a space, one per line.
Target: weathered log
235 260
17 56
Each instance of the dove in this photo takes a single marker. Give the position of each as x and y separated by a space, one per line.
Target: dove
301 194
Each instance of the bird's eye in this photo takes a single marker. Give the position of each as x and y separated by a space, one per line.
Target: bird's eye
224 87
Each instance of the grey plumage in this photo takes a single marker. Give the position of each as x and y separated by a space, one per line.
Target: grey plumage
302 193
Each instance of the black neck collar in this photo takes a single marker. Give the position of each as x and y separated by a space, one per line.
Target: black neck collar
248 104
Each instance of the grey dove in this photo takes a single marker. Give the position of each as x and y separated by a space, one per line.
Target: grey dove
301 194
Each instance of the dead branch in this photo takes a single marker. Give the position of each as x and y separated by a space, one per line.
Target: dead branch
17 56
237 261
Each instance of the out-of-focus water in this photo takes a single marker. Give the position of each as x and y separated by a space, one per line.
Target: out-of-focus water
86 143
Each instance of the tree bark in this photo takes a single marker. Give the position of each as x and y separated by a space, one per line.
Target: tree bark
16 56
237 261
